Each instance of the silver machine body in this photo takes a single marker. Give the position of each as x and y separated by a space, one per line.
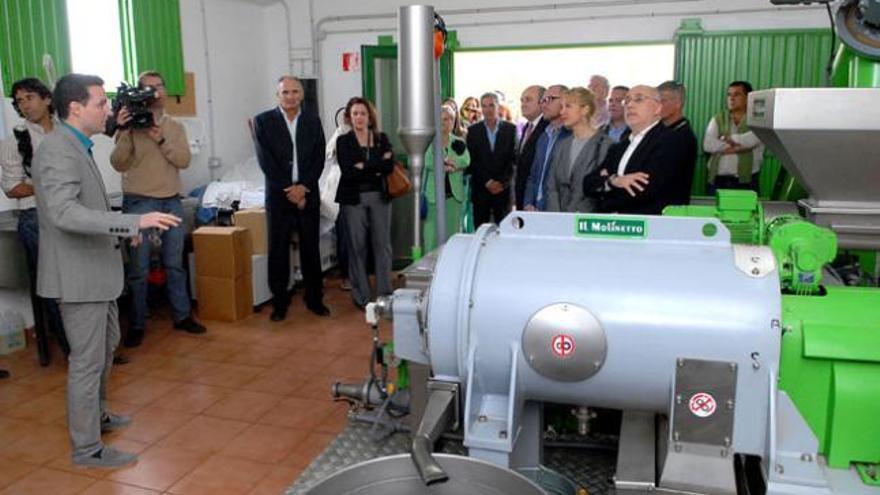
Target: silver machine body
540 310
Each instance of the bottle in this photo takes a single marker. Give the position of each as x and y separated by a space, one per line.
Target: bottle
11 331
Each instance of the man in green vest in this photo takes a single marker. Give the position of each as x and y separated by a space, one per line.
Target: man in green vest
736 153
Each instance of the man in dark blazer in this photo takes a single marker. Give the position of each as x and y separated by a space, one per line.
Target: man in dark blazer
492 145
292 196
530 105
80 262
639 173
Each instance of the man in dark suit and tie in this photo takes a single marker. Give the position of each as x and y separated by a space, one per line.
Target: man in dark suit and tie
492 145
290 149
530 106
80 262
639 173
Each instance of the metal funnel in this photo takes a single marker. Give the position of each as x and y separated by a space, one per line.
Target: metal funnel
827 138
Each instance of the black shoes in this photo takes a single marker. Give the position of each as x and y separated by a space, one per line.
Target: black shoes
189 325
279 313
133 337
319 309
4 374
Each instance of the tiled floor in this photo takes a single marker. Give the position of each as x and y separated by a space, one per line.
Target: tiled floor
241 410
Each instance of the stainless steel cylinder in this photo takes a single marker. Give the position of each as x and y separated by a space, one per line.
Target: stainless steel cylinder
416 93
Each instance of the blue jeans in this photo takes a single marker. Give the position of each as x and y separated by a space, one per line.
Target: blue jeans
29 235
172 260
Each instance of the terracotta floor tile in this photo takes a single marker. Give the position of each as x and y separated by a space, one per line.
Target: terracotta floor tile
279 479
142 362
214 351
119 376
347 365
265 443
46 408
45 481
259 355
13 396
229 375
11 429
158 468
182 369
176 345
243 405
335 421
12 470
222 475
311 447
43 380
204 434
144 390
41 443
105 487
294 412
277 381
152 423
305 361
191 398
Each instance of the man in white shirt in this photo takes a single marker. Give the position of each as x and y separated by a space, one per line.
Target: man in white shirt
33 102
638 174
736 152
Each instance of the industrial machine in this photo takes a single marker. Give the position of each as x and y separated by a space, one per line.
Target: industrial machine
741 363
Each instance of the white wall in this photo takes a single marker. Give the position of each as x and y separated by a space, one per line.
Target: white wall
343 26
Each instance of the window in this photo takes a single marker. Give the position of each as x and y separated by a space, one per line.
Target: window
511 71
96 40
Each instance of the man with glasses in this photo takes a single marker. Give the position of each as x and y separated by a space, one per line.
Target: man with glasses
150 160
638 174
530 106
672 95
536 186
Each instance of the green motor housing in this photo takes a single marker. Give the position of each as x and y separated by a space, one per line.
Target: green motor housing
801 250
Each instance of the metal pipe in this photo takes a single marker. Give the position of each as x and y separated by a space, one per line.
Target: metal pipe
416 123
439 163
213 160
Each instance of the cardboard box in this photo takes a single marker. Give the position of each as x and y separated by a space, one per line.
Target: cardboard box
222 252
225 299
255 221
259 278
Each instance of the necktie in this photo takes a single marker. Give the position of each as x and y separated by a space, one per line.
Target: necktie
525 136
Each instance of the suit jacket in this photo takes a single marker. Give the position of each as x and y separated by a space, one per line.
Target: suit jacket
275 155
565 190
79 260
524 160
458 153
685 159
655 156
376 167
487 163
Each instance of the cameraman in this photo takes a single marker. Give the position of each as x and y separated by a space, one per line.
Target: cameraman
32 101
150 160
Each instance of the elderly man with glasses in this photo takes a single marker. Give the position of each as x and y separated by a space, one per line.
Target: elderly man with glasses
638 174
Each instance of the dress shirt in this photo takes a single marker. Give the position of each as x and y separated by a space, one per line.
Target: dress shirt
634 141
291 127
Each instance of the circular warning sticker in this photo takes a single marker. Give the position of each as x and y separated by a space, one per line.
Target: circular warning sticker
563 345
702 405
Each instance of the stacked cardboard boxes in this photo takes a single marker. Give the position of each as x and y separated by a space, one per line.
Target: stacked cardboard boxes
223 272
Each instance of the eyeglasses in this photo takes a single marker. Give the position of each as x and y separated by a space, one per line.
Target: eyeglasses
638 99
549 98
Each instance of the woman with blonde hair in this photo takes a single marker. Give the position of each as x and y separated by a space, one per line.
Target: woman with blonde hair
470 111
577 155
456 159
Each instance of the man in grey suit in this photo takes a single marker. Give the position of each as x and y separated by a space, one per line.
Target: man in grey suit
80 262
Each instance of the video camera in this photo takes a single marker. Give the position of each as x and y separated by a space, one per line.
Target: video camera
137 101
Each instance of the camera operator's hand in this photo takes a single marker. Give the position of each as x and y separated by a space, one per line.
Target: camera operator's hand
123 117
155 134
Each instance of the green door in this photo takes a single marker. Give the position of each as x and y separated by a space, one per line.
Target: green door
380 86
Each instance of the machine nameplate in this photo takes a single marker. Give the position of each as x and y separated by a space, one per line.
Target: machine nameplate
592 226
